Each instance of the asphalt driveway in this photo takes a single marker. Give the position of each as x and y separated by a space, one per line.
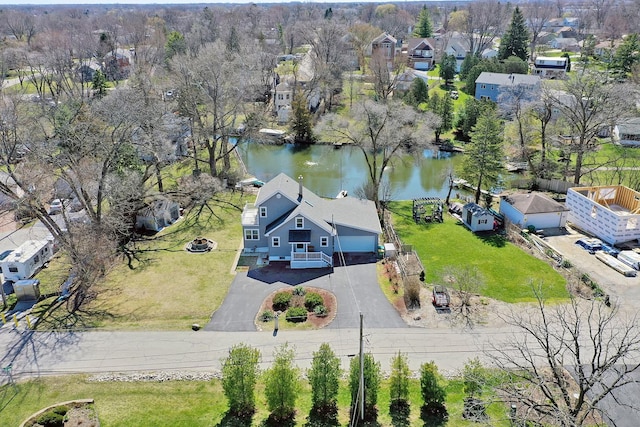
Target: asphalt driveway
355 287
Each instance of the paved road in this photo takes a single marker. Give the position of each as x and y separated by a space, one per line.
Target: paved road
49 353
355 287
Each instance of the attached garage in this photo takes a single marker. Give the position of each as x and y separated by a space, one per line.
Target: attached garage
356 243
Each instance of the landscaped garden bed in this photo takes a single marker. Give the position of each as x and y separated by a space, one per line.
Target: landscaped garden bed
301 307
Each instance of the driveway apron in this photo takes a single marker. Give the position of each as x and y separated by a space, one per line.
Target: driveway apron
355 287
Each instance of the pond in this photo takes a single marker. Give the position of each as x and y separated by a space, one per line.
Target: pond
327 170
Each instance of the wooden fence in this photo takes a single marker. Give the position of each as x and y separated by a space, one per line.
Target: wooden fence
553 185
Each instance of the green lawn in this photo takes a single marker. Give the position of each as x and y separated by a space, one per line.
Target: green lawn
506 268
191 403
169 288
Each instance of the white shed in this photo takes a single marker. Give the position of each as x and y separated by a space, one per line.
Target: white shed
533 209
477 218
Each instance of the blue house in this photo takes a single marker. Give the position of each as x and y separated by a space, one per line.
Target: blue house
290 223
489 86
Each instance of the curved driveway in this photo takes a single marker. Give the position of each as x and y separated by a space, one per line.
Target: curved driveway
355 287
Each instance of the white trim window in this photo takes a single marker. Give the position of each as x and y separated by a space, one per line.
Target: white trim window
275 241
251 234
299 222
263 211
324 241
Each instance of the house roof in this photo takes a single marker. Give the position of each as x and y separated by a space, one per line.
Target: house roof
534 203
629 126
507 79
348 211
476 210
420 43
385 37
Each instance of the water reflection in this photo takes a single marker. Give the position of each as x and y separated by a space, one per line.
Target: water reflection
327 170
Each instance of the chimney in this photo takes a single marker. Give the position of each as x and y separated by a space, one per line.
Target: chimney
300 187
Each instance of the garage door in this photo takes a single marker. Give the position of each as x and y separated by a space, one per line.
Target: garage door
356 243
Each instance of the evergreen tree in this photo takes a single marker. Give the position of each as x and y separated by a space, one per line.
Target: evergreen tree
627 55
418 92
448 66
301 120
324 377
484 157
174 45
515 40
442 106
282 386
233 40
433 394
372 378
239 377
424 28
99 84
399 382
468 63
468 117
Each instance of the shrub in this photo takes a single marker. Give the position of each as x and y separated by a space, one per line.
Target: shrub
412 291
62 410
296 315
266 316
51 419
299 290
320 310
281 301
312 300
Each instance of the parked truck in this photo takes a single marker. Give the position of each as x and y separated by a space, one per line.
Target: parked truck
441 298
26 260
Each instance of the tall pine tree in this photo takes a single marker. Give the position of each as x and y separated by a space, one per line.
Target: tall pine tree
515 40
484 155
424 28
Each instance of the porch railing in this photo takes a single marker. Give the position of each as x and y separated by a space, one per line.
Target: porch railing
311 256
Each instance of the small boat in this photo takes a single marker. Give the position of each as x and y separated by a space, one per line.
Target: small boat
276 133
255 182
342 194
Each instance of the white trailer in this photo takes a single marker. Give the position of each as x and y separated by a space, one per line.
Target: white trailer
26 260
630 258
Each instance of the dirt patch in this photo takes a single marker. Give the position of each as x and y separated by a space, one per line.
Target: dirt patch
83 416
486 312
313 321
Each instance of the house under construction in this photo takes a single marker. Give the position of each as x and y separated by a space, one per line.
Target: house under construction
611 213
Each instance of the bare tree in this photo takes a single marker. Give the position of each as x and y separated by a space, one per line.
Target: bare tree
464 282
481 23
382 131
542 113
588 106
361 37
537 14
327 58
212 96
563 361
22 25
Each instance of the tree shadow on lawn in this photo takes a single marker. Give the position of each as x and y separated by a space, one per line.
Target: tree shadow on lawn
492 238
231 420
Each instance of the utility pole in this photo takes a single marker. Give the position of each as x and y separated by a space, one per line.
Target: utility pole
361 372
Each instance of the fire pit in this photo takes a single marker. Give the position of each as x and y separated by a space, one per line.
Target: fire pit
201 244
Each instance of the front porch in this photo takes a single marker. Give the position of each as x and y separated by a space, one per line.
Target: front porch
310 260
